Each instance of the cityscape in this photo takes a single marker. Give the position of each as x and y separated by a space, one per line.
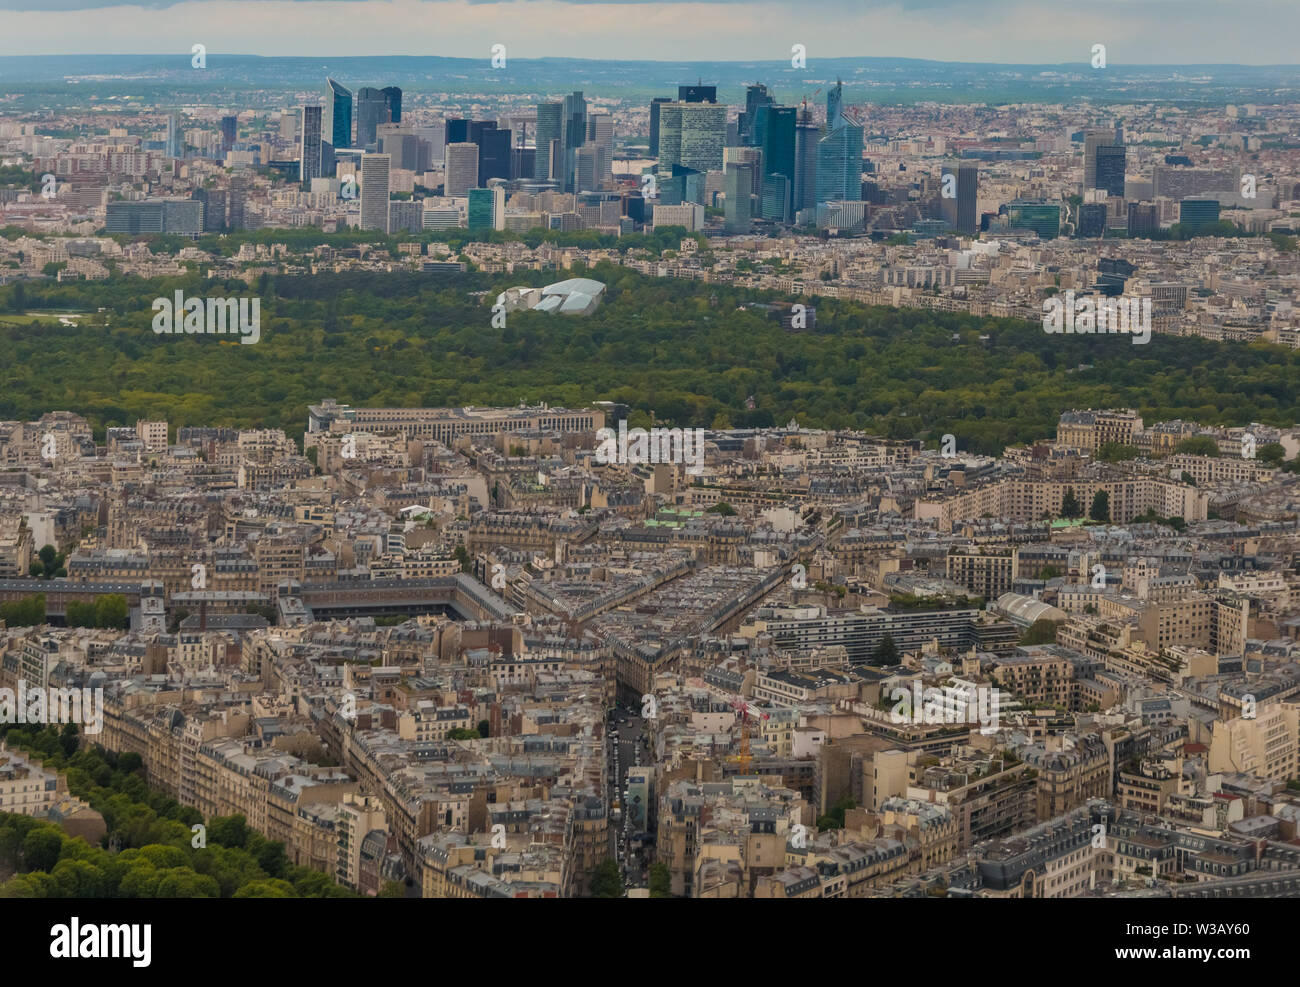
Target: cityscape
847 475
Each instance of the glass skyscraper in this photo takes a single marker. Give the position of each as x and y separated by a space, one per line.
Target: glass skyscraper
372 110
336 120
839 164
550 126
393 96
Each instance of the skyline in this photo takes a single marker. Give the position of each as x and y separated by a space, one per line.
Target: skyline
1136 33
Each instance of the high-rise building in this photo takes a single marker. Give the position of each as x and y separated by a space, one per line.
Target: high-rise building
776 198
457 130
755 96
1194 215
393 96
550 127
692 135
487 208
375 169
214 208
493 154
959 210
229 133
461 166
1143 219
698 93
309 146
835 106
372 110
238 196
599 131
1092 219
175 138
839 164
739 187
655 105
806 134
575 134
1044 218
1104 161
336 121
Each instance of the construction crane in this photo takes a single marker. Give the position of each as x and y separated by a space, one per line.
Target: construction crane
746 710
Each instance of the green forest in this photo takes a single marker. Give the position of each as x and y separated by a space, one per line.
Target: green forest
688 352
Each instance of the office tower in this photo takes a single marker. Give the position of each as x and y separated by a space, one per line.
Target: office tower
238 197
214 208
755 96
655 105
1142 219
804 194
175 139
408 152
1044 218
309 145
493 154
697 94
587 169
1092 219
575 133
693 135
180 216
740 183
550 127
457 130
436 136
405 217
835 106
487 208
1103 162
461 169
1196 214
839 164
778 127
372 110
776 198
523 162
600 132
374 191
393 96
229 133
959 211
336 121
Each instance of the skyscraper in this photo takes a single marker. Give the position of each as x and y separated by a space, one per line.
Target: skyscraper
550 127
457 130
487 208
393 96
739 186
839 164
309 146
337 118
655 105
693 135
959 210
697 94
575 133
755 96
374 191
238 199
174 137
229 133
461 169
493 154
778 127
1104 161
804 194
372 110
835 105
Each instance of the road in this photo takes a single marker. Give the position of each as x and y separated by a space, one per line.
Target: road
624 750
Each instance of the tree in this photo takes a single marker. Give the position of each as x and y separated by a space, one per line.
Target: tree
1198 445
1271 453
1041 631
1116 452
461 733
661 882
1070 505
1100 510
40 849
1049 572
606 882
392 889
723 508
111 611
484 728
886 652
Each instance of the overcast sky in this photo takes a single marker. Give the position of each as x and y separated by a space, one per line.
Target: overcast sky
1254 32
